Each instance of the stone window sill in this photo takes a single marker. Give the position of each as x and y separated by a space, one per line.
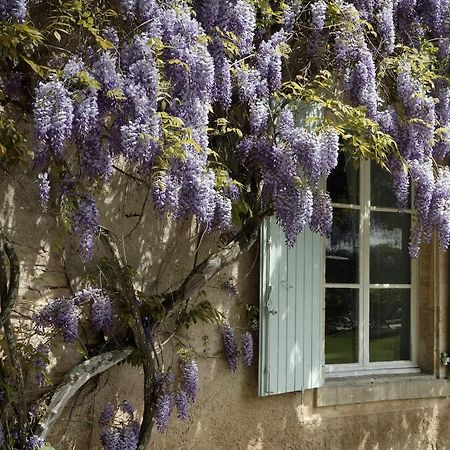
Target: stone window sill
345 391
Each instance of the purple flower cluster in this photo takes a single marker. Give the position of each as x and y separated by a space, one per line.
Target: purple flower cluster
299 155
40 361
163 410
107 415
247 349
13 10
101 307
189 370
230 346
182 404
101 313
53 117
44 189
62 314
85 226
34 442
121 433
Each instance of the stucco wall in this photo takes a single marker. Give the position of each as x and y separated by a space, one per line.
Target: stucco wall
228 414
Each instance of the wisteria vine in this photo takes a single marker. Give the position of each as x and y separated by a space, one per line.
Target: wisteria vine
226 114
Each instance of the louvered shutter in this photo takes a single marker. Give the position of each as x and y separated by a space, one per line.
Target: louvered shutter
291 311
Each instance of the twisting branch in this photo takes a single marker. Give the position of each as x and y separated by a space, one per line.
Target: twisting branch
148 361
212 265
76 379
8 292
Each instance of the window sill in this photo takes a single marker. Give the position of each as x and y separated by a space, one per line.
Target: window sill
345 391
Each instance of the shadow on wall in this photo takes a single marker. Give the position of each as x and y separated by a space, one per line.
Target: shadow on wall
228 414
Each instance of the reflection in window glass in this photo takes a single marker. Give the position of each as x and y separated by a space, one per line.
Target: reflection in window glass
341 326
343 182
390 324
381 187
389 241
343 248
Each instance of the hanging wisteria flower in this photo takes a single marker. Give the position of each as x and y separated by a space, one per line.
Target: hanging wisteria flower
107 414
189 369
120 432
182 403
101 313
386 26
13 10
163 410
329 142
85 226
40 362
53 118
247 349
34 442
61 314
230 346
322 215
44 189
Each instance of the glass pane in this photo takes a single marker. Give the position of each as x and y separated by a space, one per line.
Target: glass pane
341 326
342 257
381 187
389 240
390 325
343 182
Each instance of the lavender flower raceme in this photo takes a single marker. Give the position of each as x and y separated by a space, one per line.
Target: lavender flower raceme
107 414
40 362
34 442
386 26
182 403
63 315
189 370
44 189
121 433
53 118
247 349
163 410
101 313
85 226
230 347
13 10
322 215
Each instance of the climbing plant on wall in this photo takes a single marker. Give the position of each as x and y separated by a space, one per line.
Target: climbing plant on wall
197 101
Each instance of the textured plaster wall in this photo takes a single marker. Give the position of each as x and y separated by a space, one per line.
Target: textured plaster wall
228 414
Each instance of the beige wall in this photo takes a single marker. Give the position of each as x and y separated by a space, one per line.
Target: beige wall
228 414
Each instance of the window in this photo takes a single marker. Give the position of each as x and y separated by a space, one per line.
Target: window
370 301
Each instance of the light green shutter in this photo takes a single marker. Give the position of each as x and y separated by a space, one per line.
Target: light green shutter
291 311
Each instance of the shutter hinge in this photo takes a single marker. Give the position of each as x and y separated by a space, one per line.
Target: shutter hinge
267 373
270 310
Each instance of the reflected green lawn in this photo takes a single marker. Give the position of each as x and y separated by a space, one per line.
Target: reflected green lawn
342 348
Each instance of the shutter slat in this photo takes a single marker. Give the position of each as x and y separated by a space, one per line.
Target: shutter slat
291 348
307 307
299 300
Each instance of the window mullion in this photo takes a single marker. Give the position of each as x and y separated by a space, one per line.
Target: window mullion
365 250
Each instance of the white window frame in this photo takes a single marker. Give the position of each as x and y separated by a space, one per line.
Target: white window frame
365 367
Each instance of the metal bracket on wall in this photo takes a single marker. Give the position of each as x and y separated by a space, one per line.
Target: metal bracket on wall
445 359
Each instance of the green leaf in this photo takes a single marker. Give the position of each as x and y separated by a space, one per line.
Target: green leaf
36 67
